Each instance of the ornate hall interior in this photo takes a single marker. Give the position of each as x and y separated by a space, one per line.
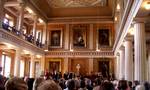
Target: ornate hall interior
109 37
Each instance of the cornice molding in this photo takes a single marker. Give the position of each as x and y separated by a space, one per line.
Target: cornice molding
90 19
80 54
7 37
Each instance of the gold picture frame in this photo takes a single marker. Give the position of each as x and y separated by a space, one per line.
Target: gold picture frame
55 38
79 36
103 37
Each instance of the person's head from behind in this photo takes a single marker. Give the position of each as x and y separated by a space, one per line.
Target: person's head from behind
16 84
122 85
71 84
48 85
82 84
130 84
107 86
136 83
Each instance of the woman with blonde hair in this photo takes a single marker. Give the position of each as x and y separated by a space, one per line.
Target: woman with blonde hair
48 85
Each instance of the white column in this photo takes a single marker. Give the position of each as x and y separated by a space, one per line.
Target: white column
34 27
21 17
140 51
32 65
128 59
67 37
122 63
17 63
44 36
91 37
2 14
66 63
90 65
117 65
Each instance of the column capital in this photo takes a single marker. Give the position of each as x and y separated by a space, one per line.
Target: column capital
139 20
117 54
122 48
129 38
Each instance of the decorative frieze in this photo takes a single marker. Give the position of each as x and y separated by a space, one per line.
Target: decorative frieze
81 54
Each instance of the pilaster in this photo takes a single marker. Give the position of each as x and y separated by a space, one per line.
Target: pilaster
67 37
17 62
32 65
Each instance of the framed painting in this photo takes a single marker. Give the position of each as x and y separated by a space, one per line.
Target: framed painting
55 38
79 36
103 37
54 66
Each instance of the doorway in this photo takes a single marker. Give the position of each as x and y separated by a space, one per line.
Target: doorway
104 68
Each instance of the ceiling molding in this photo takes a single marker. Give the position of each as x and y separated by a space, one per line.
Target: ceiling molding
92 19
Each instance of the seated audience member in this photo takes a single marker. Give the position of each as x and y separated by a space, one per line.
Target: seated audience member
98 83
70 85
130 85
48 85
16 84
62 83
122 85
135 84
88 84
82 85
30 83
107 86
147 86
37 82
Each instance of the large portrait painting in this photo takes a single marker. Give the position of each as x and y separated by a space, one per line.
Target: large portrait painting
103 37
55 37
54 66
79 36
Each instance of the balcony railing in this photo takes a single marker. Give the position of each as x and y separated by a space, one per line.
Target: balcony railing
7 34
27 37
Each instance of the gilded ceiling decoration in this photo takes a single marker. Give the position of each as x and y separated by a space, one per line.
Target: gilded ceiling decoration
76 3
